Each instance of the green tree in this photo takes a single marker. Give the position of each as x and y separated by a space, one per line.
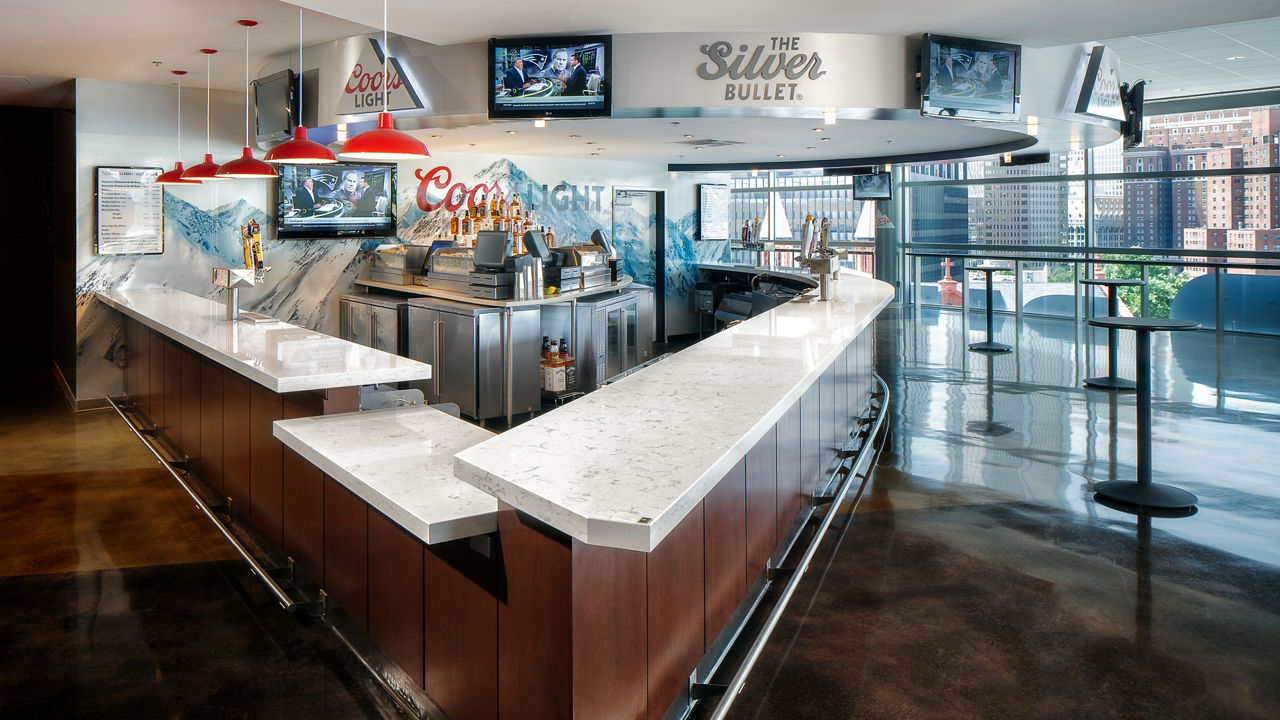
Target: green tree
1061 274
1162 285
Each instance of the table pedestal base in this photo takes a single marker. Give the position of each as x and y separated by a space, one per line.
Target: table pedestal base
1153 495
989 347
1111 383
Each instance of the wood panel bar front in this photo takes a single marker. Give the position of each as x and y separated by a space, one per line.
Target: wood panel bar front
725 548
395 594
302 500
266 488
461 630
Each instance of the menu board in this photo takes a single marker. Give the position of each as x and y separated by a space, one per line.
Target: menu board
130 211
713 212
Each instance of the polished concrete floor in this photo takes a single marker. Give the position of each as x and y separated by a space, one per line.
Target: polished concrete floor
977 577
119 600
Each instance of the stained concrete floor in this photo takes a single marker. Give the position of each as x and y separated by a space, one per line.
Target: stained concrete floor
118 599
978 578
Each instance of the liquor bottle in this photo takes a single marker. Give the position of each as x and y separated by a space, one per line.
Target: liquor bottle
826 225
493 205
453 226
515 205
570 367
551 236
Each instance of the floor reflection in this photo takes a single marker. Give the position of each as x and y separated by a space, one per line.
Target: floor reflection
978 576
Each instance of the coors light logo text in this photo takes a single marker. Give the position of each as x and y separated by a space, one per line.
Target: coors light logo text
781 58
366 87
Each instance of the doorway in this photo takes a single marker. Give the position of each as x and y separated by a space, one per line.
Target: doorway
639 235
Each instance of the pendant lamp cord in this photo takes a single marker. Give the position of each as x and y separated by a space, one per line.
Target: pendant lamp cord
386 53
208 80
246 86
300 83
179 120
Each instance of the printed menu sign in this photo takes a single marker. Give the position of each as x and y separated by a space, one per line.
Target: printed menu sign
713 212
130 211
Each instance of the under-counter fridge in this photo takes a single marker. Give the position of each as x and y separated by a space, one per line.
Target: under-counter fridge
464 346
615 332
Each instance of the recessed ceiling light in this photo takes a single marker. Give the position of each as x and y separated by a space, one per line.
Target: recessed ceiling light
817 129
511 132
688 136
601 149
435 137
781 155
825 139
589 142
574 137
594 154
809 148
697 147
1236 57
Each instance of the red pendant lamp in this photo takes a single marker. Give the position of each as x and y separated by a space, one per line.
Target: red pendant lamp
246 166
174 176
300 150
207 170
384 142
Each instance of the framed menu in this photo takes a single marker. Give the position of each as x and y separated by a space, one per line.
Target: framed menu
130 211
713 212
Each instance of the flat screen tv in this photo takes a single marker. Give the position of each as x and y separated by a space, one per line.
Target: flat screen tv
334 201
875 186
275 100
971 79
550 77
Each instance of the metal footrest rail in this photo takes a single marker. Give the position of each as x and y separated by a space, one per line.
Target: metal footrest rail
855 465
149 438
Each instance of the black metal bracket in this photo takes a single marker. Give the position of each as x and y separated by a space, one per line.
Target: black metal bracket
702 691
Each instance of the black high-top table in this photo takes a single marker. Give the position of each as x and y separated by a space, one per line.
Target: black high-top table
1111 381
1143 492
990 345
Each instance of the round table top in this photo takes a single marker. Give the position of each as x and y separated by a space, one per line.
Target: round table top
1143 323
1112 282
989 268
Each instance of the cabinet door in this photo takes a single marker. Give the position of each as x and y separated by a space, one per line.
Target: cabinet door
359 325
457 361
615 330
385 330
422 347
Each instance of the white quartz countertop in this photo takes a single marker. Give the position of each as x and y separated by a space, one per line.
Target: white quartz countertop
622 466
278 356
400 461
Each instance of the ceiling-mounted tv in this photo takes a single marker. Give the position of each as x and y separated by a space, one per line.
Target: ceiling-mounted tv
275 100
971 79
550 77
875 186
335 201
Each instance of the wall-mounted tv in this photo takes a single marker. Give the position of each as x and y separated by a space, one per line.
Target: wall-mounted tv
875 186
342 200
550 77
972 79
275 100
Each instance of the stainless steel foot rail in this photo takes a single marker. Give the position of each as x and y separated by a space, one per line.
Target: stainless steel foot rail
286 602
861 469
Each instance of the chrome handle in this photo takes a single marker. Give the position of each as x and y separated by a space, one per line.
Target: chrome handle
435 361
373 327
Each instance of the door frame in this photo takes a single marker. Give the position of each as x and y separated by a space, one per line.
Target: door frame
659 250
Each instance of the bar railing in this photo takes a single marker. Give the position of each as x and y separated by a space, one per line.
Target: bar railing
1082 260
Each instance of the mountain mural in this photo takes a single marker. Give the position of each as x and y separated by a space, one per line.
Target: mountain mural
307 277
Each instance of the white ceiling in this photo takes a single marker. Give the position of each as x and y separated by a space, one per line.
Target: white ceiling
45 44
1037 24
1204 60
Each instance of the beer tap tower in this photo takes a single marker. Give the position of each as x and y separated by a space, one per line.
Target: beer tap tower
820 259
254 273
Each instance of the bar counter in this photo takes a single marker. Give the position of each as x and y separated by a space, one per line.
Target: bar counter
622 466
635 526
276 355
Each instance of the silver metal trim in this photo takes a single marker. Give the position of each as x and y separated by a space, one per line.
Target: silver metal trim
254 566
